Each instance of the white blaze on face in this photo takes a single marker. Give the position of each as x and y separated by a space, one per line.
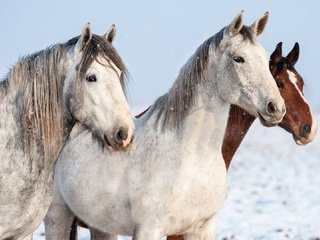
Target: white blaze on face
293 79
314 126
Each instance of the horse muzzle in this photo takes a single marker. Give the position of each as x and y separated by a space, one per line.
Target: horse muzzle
306 134
119 140
272 114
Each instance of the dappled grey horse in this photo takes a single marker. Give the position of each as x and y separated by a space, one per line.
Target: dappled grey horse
173 178
41 98
299 119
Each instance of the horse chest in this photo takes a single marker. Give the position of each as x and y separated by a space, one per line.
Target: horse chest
203 186
199 187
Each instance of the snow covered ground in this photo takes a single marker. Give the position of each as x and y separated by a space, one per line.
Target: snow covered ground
274 190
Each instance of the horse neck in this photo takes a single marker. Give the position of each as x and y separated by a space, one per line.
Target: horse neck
239 122
207 114
202 119
35 84
206 123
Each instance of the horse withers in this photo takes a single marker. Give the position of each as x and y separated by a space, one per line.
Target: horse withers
173 178
41 98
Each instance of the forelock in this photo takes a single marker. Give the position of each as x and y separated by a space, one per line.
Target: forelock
100 46
247 34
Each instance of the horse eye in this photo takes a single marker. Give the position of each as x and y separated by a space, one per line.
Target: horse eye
238 59
91 78
280 85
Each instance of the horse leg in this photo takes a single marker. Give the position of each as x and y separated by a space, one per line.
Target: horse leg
207 231
175 237
58 219
97 235
146 233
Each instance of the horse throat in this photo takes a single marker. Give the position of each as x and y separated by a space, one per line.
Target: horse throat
206 122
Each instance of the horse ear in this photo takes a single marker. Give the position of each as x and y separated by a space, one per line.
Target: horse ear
277 54
259 25
236 25
84 38
111 33
293 56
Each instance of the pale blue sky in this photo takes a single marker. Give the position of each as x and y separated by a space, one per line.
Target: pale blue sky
156 38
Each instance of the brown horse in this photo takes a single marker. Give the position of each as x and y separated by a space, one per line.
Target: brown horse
298 121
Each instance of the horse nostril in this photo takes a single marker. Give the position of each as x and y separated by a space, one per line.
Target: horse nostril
271 109
306 129
121 135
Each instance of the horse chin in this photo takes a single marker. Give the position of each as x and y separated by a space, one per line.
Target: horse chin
265 122
107 144
300 141
112 146
118 148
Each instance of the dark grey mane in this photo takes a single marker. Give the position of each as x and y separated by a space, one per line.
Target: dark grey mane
172 107
37 82
97 46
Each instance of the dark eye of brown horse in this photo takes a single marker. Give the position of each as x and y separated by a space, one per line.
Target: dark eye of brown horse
280 85
91 78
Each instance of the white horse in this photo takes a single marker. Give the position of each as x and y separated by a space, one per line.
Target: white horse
41 99
173 178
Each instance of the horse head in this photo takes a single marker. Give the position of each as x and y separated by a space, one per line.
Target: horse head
299 119
94 88
244 66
